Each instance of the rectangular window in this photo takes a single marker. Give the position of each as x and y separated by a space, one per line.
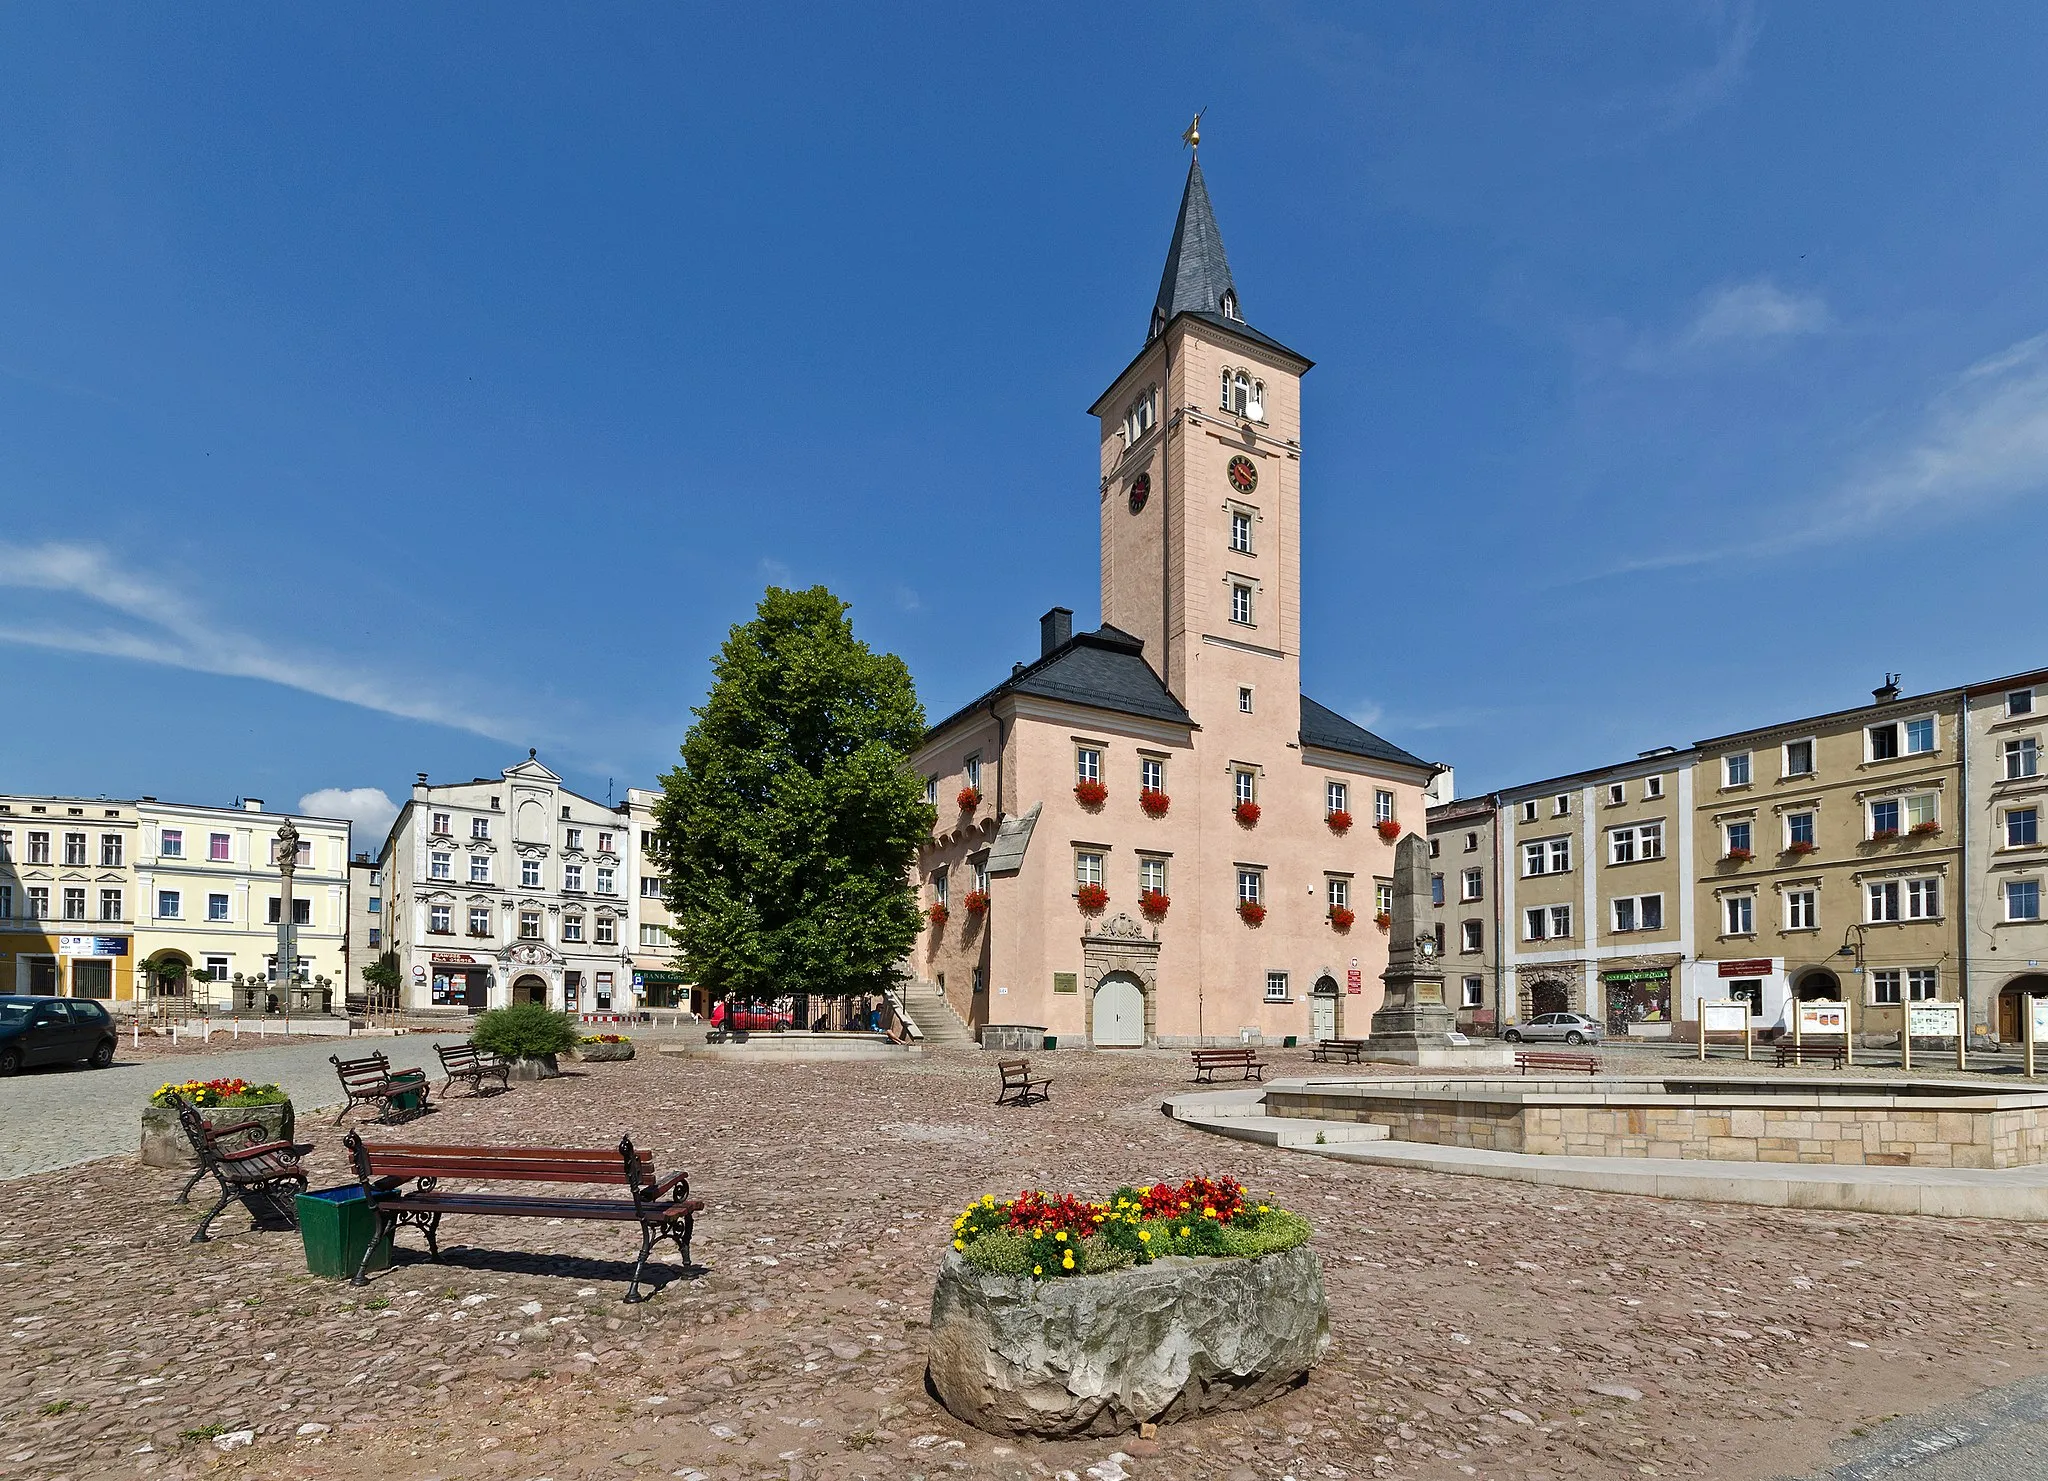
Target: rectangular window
1336 797
302 911
1528 812
220 848
74 849
1276 987
1799 758
1884 741
1534 857
216 907
1473 885
572 838
1625 913
168 904
2022 899
1560 855
2020 702
607 932
39 848
376 905
1473 993
2022 827
438 921
2022 759
1087 869
1472 935
1799 829
479 868
1883 901
1884 818
1801 910
479 920
1087 765
1533 923
1923 899
974 771
1382 898
170 843
1653 788
1561 805
651 937
38 902
1244 699
1152 876
931 789
1250 886
1560 920
1244 785
572 928
110 904
1921 811
529 925
1436 889
1884 986
942 884
1621 845
1617 794
74 904
1241 603
605 876
572 877
1241 531
1151 774
981 875
442 826
1741 912
1735 770
440 865
1339 891
217 968
1650 912
110 851
1382 806
480 828
650 886
7 846
1920 736
6 902
1920 984
529 874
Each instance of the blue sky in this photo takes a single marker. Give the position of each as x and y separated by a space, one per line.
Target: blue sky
392 390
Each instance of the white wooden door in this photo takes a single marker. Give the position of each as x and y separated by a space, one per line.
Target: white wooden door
1119 1013
1322 1012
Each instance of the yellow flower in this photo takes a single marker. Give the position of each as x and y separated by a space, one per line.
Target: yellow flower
1069 1261
1264 1210
1035 1270
1061 1236
959 1244
1183 1232
1146 1235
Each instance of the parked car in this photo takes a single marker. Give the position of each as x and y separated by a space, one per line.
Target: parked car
1570 1028
54 1031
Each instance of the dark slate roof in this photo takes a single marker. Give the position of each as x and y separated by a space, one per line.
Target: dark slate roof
1197 273
1324 727
1104 670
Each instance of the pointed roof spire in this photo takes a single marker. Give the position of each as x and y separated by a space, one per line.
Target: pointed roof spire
1197 276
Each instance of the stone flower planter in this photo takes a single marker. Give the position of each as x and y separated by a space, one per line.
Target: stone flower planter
599 1053
164 1143
1102 1354
537 1067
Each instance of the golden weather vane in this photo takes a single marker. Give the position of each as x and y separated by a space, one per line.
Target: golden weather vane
1193 135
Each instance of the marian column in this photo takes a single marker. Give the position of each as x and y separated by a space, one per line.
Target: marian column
1413 1015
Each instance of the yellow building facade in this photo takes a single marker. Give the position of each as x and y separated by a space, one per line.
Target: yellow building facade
67 897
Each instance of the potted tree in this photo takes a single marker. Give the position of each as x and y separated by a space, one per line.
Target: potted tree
529 1036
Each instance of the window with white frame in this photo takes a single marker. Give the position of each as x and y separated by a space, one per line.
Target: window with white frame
1251 886
110 851
572 878
1336 797
440 865
1617 794
74 850
438 920
1653 788
1881 901
1472 993
1639 913
1276 987
607 929
1561 805
6 846
1471 935
572 928
1151 876
1547 856
1528 812
1885 985
220 848
1802 910
1739 915
1735 770
2019 702
942 883
981 875
1560 921
1472 885
1798 758
2023 899
1241 603
480 828
571 837
1151 774
38 848
1799 830
1382 806
1382 898
38 902
1471 843
1543 923
479 868
1139 418
1434 850
650 886
931 789
607 880
1739 836
1243 394
479 920
1241 531
1920 738
653 937
974 771
1339 890
1641 841
110 905
2022 827
6 902
1921 984
529 925
216 907
1923 811
2022 758
1244 699
1923 899
217 969
1881 742
1087 868
1884 818
1087 764
442 825
1244 784
74 904
170 843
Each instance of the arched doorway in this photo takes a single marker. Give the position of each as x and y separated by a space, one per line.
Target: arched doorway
1549 997
1818 986
1119 1012
529 989
1322 1008
2013 1006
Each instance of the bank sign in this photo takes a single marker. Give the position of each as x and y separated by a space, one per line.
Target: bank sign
92 946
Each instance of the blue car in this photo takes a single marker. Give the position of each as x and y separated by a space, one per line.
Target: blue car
37 1031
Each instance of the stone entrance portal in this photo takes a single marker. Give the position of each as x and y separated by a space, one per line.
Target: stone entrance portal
1121 967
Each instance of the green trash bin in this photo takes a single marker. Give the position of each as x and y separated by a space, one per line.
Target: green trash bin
1288 1042
408 1101
335 1225
1052 1041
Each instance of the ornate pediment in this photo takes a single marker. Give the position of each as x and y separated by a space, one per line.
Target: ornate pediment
530 954
1120 927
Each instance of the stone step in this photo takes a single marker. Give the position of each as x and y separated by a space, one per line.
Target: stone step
1293 1132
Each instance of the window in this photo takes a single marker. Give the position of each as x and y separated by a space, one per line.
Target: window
529 874
942 884
1799 830
1433 848
1087 765
1735 770
1798 758
442 826
1250 886
653 936
220 848
2022 899
1740 911
1382 806
1087 869
376 905
1244 699
1920 984
931 789
7 847
1240 603
2022 827
110 905
217 968
303 854
39 848
974 772
6 902
2022 759
479 920
1738 838
479 868
1244 785
1883 741
1553 856
2020 702
169 904
572 877
981 875
170 843
1883 901
1339 891
1653 788
438 923
38 902
1528 812
604 843
216 907
572 928
1542 923
110 851
1921 811
529 925
1241 532
1276 987
1436 889
1884 818
480 828
1560 920
1616 794
302 911
605 875
1382 898
1471 843
1561 805
1639 913
1152 876
440 865
1472 935
650 886
1151 774
572 838
1472 885
74 849
1923 899
1621 845
1801 910
1139 418
1884 986
74 904
1472 994
1920 736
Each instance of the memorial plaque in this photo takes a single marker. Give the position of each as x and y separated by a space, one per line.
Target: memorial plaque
1429 992
1066 982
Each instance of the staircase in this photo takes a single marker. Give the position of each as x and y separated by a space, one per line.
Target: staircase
935 1018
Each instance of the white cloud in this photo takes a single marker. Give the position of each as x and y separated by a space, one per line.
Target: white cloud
367 809
1757 311
151 621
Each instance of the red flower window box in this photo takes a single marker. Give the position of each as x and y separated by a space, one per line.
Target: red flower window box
1247 813
1154 802
969 798
1341 917
1154 903
1926 830
1739 856
1339 820
1389 829
1800 850
938 914
976 902
1090 793
1252 912
1091 898
1884 835
1384 921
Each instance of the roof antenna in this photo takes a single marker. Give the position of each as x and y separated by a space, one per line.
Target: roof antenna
1192 136
607 791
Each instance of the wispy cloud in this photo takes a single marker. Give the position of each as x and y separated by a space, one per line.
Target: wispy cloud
369 811
1674 104
908 600
1756 311
150 621
775 572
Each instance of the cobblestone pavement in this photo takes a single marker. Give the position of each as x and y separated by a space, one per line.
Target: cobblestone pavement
56 1115
1482 1328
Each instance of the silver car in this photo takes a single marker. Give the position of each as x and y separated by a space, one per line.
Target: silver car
1568 1028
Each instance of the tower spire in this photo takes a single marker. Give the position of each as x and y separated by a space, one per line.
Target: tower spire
1197 277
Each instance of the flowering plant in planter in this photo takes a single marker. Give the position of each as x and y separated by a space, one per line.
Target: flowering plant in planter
1091 898
1154 903
1389 829
206 1093
1341 917
938 914
1802 848
1154 801
969 798
1739 856
1247 813
976 902
1884 835
1925 830
1339 820
1384 921
1049 1236
604 1039
1090 793
1252 912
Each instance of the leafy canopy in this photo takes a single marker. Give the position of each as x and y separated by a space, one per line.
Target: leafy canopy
788 832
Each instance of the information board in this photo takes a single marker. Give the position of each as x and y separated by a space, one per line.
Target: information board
1724 1018
1934 1020
1823 1018
2039 1018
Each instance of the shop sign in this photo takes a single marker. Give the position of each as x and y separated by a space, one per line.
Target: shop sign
1756 967
1354 981
1648 974
658 974
92 946
452 956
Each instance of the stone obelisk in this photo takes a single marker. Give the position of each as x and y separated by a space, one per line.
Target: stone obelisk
1413 1016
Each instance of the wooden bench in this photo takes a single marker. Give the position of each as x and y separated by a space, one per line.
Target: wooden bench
472 1065
1019 1089
264 1175
1348 1050
1245 1061
662 1207
1816 1050
1538 1059
371 1079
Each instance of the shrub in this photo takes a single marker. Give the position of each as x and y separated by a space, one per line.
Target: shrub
525 1031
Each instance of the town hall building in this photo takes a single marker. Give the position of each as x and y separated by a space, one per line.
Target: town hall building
1149 834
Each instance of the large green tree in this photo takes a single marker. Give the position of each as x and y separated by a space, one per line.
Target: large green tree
788 832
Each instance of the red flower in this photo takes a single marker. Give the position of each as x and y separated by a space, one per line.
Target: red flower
937 914
1196 1197
1922 830
1247 813
1252 911
1153 903
1341 917
969 798
976 901
1383 920
1884 835
1799 848
1739 856
1389 829
1154 802
1091 898
1339 820
1090 793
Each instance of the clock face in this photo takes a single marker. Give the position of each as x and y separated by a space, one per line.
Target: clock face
1141 490
1244 477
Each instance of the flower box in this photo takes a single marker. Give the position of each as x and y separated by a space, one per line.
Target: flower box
1090 793
1247 813
1884 835
976 902
1925 830
1739 856
938 915
603 1048
1251 911
1155 802
1799 850
1091 898
1154 903
219 1103
1339 820
1384 921
969 798
1388 829
1342 917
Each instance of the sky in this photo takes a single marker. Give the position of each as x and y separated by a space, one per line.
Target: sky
394 389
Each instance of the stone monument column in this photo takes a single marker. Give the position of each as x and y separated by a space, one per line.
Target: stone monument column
1413 1015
